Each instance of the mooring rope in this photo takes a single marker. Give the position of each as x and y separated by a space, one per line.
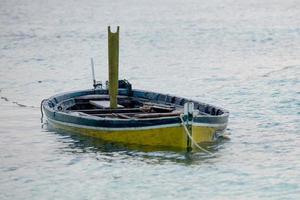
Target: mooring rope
190 136
41 107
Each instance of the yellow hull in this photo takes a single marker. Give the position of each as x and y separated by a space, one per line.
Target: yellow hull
158 136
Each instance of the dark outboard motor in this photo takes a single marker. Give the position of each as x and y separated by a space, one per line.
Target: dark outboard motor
124 84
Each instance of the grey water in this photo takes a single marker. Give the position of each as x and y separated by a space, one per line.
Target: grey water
240 55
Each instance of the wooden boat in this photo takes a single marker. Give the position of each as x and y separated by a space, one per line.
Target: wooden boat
138 116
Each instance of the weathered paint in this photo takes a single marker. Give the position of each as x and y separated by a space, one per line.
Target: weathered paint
165 136
173 136
203 134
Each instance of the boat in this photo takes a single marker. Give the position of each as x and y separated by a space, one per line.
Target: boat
118 113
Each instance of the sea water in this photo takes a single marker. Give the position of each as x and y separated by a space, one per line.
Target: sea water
240 55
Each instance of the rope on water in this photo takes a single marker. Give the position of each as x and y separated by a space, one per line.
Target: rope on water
191 138
17 103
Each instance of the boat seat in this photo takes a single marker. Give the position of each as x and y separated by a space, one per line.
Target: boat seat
98 97
103 104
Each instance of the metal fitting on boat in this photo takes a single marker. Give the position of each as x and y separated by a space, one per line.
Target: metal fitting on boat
189 110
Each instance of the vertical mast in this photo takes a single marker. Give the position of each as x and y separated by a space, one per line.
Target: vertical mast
113 66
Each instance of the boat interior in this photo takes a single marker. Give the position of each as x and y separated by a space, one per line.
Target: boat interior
127 108
131 104
141 105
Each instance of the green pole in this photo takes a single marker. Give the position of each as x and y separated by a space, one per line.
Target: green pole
113 66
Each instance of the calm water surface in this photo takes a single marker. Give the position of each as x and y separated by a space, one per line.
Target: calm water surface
243 56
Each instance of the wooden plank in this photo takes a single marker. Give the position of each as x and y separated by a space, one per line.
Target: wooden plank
106 111
103 104
140 116
157 115
159 105
120 115
161 109
99 97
